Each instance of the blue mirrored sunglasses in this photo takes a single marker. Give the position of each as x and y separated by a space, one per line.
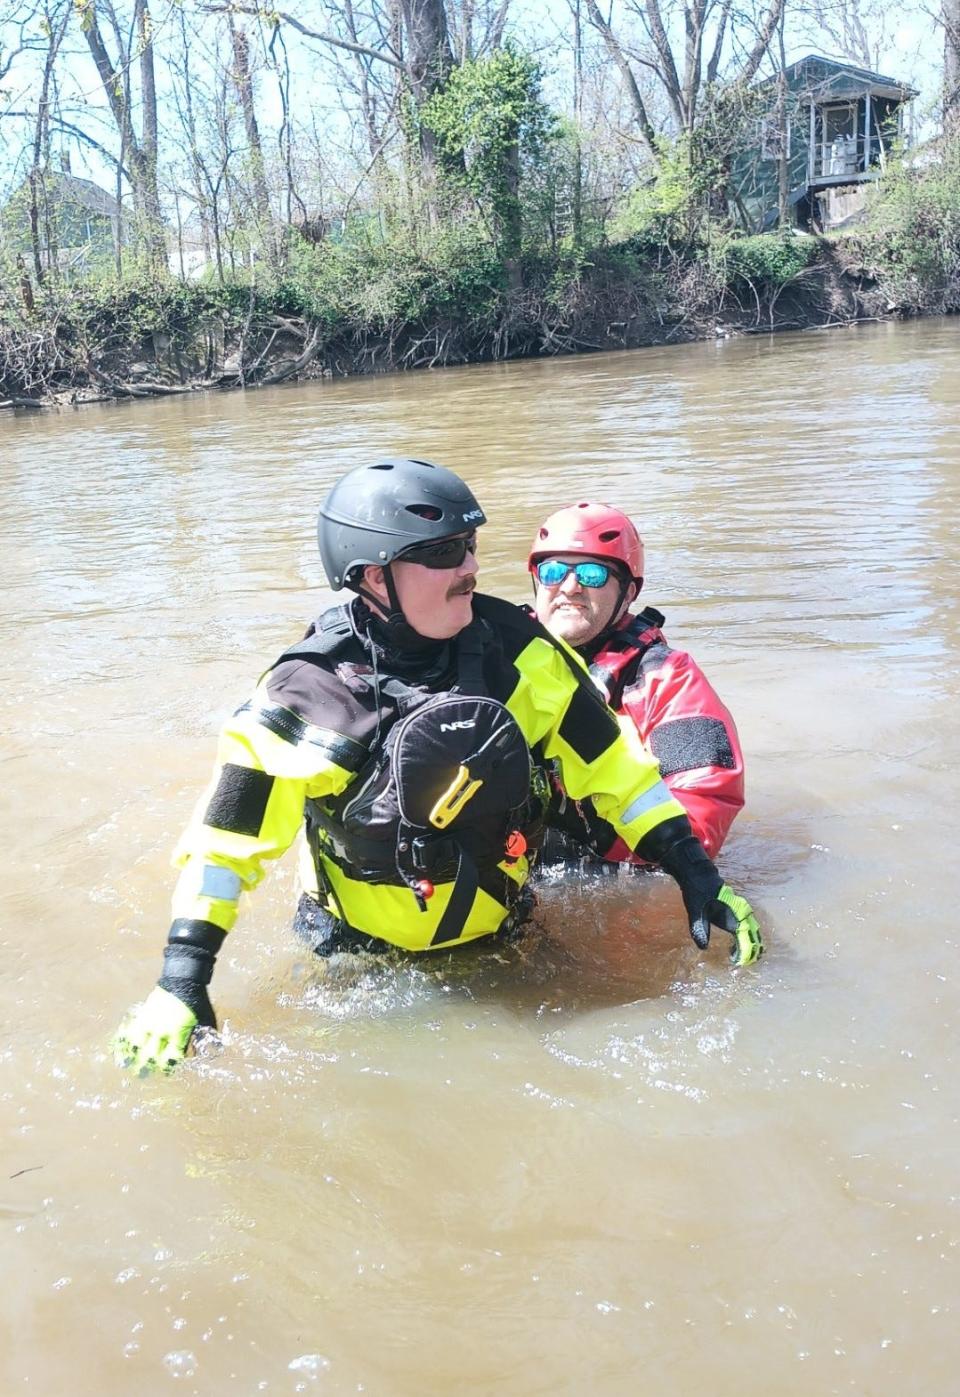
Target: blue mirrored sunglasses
551 573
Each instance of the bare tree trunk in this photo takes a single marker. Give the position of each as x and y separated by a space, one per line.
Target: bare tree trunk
36 183
114 79
429 60
149 189
713 65
188 116
363 80
26 289
286 150
118 195
783 190
695 17
951 66
762 45
41 140
578 122
511 224
620 59
244 85
668 68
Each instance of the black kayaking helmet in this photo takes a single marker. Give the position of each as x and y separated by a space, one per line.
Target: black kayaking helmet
377 511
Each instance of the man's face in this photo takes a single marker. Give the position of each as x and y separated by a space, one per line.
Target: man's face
575 613
436 601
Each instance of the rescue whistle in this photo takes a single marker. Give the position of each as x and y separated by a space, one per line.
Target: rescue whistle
425 888
516 845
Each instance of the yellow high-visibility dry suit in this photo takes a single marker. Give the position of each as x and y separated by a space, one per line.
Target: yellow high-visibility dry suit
317 730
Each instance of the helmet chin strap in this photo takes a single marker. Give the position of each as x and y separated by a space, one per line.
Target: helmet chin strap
616 614
399 632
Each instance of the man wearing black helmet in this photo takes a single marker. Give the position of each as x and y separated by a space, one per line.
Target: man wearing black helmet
408 733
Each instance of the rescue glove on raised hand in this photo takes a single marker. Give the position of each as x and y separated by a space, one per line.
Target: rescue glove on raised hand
707 898
155 1036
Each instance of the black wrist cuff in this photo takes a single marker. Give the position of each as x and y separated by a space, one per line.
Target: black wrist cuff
686 857
205 936
657 843
188 963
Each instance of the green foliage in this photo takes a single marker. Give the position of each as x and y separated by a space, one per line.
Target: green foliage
912 234
130 310
686 197
490 123
381 284
675 205
660 211
767 260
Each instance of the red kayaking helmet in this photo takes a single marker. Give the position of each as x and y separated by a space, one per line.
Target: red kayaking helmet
596 529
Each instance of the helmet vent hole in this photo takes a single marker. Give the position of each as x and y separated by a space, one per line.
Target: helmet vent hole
383 466
425 511
428 465
609 535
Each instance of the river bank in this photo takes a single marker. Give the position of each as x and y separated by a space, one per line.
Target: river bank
160 338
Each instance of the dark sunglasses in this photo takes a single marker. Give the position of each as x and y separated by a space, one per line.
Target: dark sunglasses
446 553
552 572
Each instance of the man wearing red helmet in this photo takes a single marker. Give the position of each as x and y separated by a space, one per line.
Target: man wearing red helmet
587 568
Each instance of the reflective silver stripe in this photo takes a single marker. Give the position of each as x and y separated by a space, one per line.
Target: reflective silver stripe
220 883
343 751
657 795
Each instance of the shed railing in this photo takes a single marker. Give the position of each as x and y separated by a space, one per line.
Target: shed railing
852 157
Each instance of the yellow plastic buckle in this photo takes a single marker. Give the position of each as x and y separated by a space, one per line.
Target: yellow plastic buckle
454 798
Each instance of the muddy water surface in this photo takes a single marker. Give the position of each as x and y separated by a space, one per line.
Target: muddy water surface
598 1161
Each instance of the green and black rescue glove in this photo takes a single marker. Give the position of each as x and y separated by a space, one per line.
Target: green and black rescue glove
706 896
155 1036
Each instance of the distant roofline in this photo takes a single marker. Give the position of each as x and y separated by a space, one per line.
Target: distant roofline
74 189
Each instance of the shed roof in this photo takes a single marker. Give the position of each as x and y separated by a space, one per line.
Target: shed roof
820 76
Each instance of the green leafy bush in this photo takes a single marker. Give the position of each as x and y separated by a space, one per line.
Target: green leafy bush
766 259
912 236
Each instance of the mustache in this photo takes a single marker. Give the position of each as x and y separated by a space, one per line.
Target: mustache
462 589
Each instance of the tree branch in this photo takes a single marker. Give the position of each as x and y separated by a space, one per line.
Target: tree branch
278 15
662 44
618 56
761 47
82 135
714 64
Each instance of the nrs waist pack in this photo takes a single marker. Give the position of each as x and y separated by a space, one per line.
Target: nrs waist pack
446 800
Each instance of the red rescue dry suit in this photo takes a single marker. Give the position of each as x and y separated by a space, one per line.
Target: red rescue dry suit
680 719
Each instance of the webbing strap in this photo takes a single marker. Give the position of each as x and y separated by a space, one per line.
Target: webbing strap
470 678
457 910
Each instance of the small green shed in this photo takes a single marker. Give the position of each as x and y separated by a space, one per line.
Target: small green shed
841 125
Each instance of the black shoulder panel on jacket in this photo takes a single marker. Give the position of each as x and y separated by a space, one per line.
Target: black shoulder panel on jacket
651 659
588 725
517 627
305 681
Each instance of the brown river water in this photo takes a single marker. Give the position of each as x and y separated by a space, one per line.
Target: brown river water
599 1161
